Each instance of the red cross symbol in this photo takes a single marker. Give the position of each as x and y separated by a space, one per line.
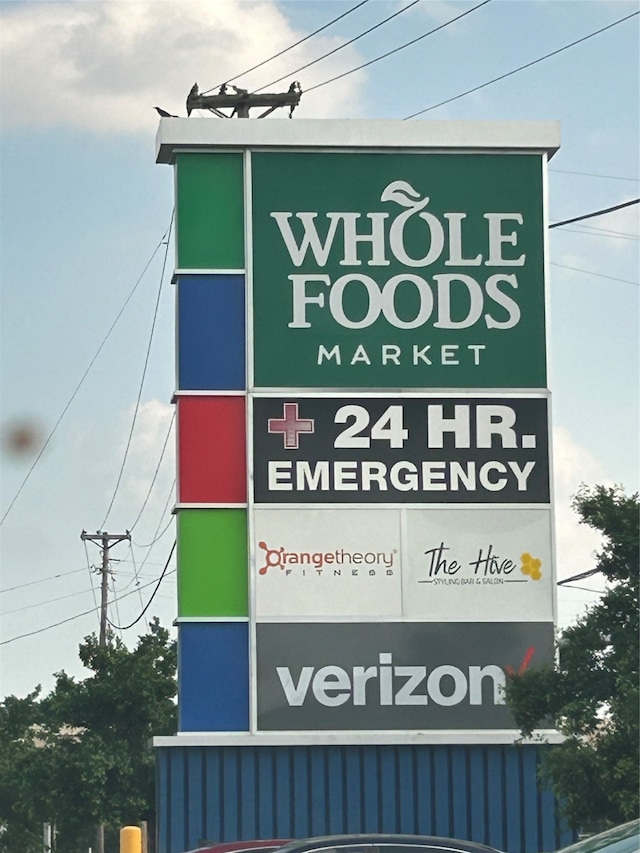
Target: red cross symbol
290 425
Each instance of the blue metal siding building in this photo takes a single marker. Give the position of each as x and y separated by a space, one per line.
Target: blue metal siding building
486 793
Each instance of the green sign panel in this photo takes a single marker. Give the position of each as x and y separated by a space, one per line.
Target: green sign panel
212 556
374 270
209 211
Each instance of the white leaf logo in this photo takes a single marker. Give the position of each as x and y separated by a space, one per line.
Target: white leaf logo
403 194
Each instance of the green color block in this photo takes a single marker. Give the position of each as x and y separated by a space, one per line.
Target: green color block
212 562
210 211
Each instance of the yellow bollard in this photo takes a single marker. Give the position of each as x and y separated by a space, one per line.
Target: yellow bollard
130 839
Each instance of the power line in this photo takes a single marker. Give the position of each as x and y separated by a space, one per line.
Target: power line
598 274
41 580
81 382
595 213
90 570
157 536
144 373
123 573
397 49
127 572
135 579
342 46
115 604
148 604
48 601
608 233
579 577
70 618
594 175
48 627
291 46
586 589
522 67
164 447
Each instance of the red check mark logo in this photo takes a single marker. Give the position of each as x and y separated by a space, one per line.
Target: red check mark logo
524 665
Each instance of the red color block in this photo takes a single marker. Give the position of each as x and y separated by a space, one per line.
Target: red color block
212 456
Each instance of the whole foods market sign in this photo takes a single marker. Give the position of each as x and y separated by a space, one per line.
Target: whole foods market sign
398 270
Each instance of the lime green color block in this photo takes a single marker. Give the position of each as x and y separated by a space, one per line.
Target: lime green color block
210 211
212 562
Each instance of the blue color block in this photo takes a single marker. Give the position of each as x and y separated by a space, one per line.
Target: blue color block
213 683
211 336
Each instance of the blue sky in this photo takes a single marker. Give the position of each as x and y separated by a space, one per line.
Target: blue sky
84 208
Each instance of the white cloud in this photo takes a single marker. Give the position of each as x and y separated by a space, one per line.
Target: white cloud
103 66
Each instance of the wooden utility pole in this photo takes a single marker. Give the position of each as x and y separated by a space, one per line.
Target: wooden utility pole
241 101
105 541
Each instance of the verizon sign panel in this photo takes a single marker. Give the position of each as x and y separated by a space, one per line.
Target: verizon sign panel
393 676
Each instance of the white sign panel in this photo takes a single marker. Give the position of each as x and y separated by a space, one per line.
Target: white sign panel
478 565
327 562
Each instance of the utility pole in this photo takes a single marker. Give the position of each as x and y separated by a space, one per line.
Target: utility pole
241 101
106 541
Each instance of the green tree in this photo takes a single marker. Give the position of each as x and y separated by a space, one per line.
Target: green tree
592 693
80 756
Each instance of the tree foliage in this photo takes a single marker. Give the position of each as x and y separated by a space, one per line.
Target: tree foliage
592 693
81 756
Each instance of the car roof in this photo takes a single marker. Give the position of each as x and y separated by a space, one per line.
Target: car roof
232 846
615 838
385 839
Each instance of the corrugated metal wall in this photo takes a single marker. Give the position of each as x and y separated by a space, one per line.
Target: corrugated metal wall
484 793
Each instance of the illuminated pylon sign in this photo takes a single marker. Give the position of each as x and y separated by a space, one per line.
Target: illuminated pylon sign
362 408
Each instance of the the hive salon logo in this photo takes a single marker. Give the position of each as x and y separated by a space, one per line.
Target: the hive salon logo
339 562
487 566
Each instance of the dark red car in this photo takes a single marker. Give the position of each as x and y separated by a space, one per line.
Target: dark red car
263 845
356 843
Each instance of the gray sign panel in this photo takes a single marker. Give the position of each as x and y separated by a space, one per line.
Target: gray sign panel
392 675
404 450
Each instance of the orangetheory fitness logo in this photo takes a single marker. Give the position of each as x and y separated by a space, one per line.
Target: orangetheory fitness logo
371 562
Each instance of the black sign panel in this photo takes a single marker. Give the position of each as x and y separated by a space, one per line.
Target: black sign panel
400 450
392 675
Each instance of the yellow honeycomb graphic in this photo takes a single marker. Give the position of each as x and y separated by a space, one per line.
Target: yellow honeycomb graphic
531 566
